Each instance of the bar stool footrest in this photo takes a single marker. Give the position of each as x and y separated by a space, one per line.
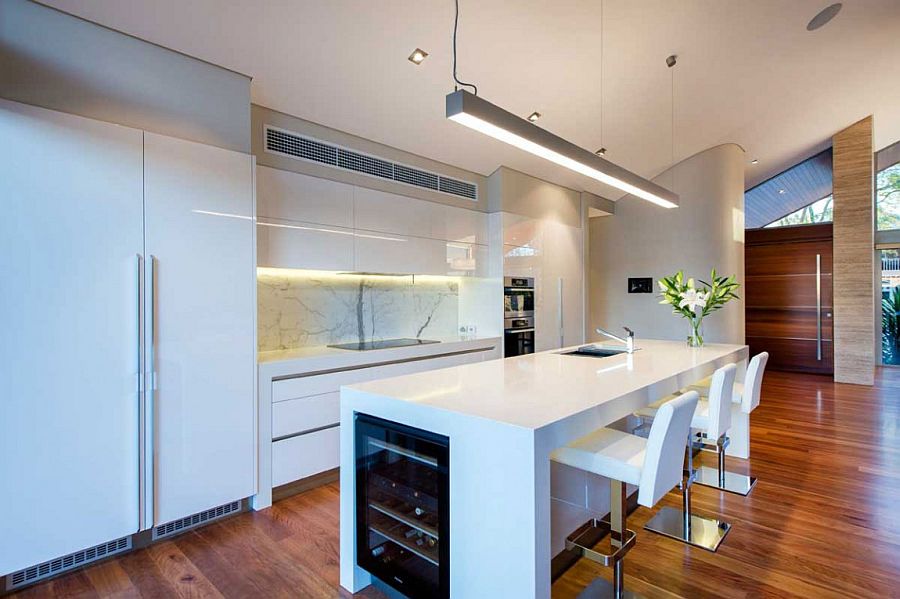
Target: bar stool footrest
607 559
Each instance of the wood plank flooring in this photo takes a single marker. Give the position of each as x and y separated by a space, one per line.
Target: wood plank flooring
823 521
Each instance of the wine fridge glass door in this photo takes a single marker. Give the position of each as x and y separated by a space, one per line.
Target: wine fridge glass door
402 506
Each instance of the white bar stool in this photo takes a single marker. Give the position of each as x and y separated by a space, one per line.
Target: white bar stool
712 419
653 464
748 396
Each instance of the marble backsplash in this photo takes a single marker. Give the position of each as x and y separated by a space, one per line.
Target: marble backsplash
308 308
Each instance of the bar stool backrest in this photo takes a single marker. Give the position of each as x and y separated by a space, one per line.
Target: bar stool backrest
753 382
721 390
664 455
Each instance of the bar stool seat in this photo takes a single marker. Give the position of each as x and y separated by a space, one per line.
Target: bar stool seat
699 420
653 464
616 454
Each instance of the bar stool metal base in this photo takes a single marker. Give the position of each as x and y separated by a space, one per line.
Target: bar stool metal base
601 588
706 533
740 484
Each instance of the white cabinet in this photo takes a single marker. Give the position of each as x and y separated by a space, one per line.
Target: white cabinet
287 244
311 223
400 254
199 239
551 253
306 409
458 224
391 213
286 195
560 310
69 348
99 218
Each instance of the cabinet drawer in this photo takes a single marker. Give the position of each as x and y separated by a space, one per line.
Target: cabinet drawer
304 386
305 413
305 455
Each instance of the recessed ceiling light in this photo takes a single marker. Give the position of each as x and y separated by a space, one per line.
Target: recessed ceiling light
824 16
534 116
754 161
600 152
781 191
418 56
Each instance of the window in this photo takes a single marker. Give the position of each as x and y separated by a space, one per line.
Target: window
820 211
887 198
890 306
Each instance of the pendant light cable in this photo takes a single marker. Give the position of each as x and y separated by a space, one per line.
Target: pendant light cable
455 78
602 40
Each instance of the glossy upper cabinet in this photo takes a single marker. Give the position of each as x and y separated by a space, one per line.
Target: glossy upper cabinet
291 196
201 301
312 223
70 241
303 222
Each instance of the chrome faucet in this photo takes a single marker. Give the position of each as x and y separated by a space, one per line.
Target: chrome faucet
628 341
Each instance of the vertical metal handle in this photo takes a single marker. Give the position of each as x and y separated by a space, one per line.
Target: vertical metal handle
141 391
819 307
149 470
559 294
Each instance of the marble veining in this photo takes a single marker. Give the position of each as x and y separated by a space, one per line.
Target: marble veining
308 308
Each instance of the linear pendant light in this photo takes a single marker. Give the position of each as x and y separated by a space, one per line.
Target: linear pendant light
479 114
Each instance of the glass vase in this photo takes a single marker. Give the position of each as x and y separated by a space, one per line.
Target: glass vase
695 336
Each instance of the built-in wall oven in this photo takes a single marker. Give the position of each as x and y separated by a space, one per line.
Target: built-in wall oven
402 506
518 316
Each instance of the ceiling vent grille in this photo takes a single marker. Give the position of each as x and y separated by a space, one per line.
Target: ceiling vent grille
177 526
56 566
292 145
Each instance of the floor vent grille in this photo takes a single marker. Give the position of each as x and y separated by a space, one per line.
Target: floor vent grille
292 145
74 560
177 526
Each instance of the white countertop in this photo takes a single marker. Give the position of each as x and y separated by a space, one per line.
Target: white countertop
308 359
539 389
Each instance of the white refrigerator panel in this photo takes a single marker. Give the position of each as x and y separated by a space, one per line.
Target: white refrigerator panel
199 236
70 238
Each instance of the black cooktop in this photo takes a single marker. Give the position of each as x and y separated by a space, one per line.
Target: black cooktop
382 344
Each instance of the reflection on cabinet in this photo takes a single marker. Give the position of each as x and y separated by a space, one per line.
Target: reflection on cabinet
128 390
311 223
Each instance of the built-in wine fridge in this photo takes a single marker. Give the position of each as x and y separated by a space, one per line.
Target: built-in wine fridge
402 506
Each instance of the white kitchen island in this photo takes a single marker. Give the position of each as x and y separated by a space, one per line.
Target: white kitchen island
503 418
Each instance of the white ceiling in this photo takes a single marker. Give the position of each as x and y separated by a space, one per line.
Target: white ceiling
748 72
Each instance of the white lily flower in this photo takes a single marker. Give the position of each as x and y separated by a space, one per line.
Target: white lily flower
693 299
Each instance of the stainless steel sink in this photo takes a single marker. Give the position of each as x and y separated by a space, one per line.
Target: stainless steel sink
596 352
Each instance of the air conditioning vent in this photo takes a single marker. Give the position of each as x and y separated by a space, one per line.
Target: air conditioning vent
56 566
292 145
177 526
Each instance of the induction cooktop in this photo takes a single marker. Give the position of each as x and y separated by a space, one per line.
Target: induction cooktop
382 344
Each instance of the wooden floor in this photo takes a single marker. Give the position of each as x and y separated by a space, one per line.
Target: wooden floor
823 521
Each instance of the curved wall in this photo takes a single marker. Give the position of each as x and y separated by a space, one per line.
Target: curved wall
644 240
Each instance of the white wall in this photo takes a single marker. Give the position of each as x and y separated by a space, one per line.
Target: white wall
52 59
644 240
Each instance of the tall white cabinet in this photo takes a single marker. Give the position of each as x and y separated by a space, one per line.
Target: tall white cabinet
552 253
127 347
198 217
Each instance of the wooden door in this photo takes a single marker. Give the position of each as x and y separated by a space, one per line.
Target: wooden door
788 297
